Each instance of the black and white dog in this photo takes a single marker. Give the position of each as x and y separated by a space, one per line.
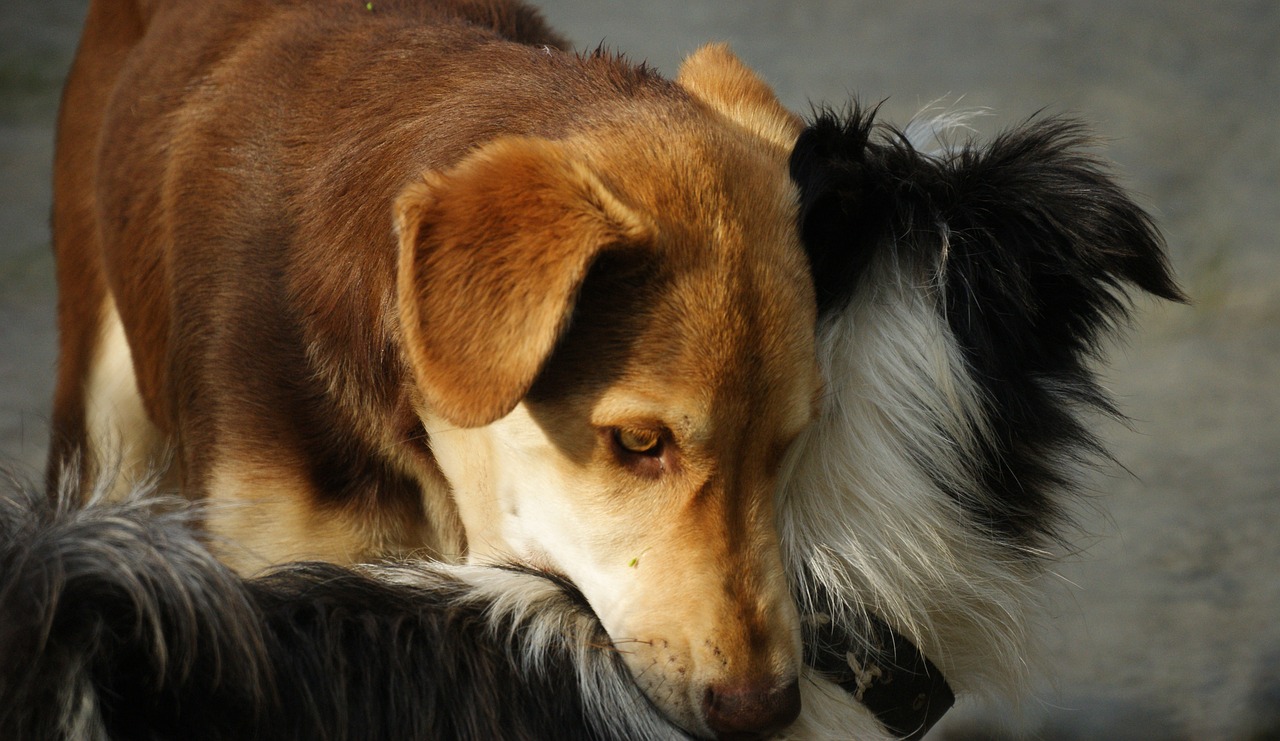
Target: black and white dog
963 294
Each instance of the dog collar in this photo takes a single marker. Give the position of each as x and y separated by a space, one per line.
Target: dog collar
882 670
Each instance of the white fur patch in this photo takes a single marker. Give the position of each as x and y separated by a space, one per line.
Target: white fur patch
933 130
865 508
828 712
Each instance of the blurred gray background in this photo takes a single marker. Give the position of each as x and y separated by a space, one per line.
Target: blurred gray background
1166 624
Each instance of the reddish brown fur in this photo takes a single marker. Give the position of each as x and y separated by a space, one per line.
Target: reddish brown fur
110 34
202 204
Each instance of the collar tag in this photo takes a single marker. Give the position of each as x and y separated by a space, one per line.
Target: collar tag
883 671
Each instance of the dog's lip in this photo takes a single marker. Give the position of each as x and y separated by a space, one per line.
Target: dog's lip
881 669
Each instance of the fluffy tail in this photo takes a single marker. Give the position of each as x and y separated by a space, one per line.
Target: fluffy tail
115 621
113 612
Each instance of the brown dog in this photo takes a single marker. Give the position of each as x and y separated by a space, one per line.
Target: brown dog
414 280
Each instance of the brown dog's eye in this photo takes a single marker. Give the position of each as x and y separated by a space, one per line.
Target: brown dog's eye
640 442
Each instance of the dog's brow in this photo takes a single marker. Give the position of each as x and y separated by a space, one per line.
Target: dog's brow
686 420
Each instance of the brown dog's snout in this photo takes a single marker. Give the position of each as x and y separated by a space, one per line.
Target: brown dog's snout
750 710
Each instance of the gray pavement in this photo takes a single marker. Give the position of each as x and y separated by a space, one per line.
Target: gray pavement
1164 625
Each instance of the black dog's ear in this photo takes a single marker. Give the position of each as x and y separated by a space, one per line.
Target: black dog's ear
842 211
1039 240
1034 216
1035 242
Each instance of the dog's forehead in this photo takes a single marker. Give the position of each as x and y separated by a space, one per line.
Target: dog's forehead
701 179
732 340
729 309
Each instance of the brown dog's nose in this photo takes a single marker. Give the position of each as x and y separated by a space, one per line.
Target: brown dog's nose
743 712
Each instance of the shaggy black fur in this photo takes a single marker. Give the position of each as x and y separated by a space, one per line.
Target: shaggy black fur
115 622
1025 243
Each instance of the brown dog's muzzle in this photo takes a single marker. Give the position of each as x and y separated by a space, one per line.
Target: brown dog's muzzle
715 631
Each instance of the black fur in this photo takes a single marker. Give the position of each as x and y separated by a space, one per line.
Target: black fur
115 622
1025 242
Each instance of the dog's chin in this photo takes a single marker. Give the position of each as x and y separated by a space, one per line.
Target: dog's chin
663 675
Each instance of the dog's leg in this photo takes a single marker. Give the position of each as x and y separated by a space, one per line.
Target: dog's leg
77 343
110 31
261 514
119 434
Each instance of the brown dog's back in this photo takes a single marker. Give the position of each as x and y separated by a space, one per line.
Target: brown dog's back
164 136
119 103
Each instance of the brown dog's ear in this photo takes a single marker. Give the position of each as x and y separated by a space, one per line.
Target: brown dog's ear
492 254
716 76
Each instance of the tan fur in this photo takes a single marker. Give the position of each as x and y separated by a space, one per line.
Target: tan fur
392 282
115 420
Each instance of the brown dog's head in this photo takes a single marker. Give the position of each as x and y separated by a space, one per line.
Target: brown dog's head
612 335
